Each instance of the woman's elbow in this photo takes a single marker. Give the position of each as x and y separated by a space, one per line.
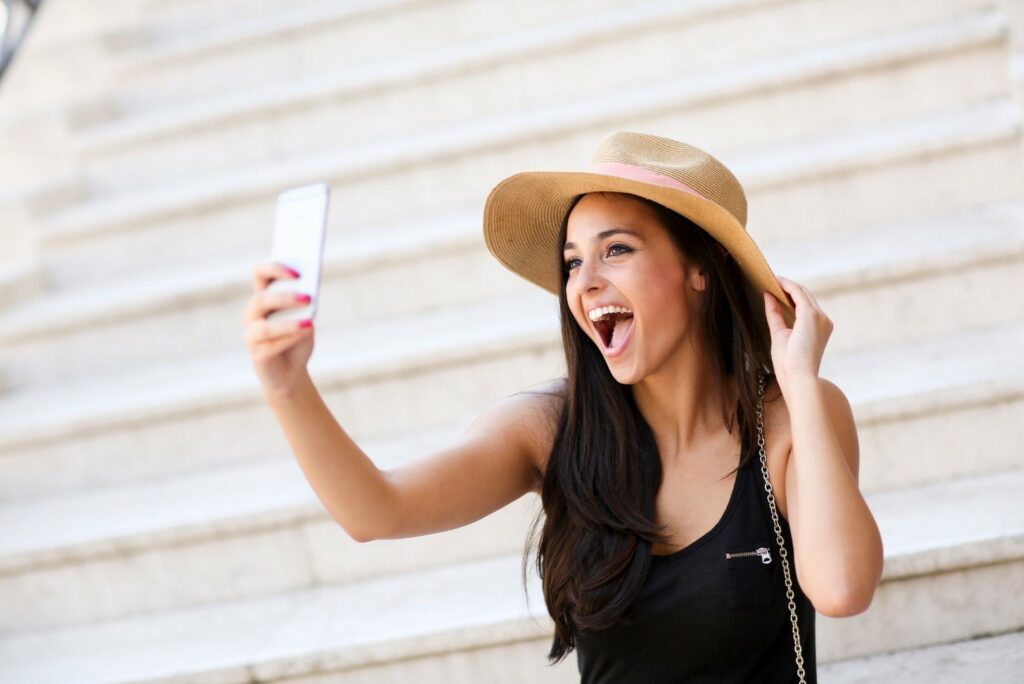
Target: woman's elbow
852 602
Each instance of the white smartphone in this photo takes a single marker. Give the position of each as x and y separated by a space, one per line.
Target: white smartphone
300 223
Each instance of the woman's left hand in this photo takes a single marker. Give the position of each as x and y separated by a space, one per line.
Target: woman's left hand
796 351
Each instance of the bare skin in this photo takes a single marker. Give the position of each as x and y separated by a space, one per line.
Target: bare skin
663 362
693 494
693 497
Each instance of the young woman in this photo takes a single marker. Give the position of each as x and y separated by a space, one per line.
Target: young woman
698 479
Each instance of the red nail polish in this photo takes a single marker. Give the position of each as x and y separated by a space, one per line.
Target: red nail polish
302 297
306 323
292 271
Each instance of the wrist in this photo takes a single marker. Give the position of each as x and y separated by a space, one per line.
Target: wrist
288 394
801 383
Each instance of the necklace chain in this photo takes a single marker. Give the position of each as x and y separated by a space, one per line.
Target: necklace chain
778 532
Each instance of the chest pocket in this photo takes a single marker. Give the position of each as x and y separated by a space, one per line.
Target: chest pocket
752 570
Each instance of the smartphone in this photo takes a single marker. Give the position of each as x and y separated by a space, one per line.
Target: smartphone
300 222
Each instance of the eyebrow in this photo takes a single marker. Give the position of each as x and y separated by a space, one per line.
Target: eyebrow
602 235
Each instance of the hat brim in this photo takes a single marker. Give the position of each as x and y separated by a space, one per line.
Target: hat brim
524 212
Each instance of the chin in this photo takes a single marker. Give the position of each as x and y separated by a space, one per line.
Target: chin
624 377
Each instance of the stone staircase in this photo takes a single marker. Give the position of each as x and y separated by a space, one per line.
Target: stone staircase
154 526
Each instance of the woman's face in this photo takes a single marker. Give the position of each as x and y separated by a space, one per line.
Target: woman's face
641 270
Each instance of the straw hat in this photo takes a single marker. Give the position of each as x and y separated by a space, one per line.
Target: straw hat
523 213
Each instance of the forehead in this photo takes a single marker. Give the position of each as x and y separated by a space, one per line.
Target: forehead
596 211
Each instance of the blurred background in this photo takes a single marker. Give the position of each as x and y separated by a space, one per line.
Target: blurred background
154 525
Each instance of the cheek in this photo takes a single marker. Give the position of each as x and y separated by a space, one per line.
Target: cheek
580 319
664 309
661 294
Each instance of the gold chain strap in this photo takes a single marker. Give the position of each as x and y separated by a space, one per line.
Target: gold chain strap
778 532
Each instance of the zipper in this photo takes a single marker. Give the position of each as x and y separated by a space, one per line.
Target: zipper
766 556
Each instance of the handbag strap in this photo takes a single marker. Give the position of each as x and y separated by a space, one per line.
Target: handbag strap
778 531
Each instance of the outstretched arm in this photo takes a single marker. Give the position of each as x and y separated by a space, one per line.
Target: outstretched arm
352 489
495 462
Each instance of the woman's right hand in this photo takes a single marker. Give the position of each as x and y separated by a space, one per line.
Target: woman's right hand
279 350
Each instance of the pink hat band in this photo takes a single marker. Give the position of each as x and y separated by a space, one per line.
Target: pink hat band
641 173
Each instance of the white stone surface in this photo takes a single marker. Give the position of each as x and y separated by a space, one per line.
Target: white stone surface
952 525
204 382
985 660
977 125
196 403
463 606
924 610
152 508
944 527
963 155
207 65
284 120
480 603
117 325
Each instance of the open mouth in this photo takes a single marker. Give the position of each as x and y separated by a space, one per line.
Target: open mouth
614 329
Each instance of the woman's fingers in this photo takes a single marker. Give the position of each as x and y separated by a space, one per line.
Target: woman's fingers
804 301
263 334
264 302
259 330
790 288
263 273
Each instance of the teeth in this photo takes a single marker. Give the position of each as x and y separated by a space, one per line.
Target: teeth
596 314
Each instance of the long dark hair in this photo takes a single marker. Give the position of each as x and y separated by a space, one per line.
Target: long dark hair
604 468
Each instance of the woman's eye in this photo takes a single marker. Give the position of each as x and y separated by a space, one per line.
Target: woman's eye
569 262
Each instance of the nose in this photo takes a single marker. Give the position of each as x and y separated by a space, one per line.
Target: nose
588 277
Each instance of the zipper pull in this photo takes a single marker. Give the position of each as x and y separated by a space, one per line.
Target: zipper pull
766 556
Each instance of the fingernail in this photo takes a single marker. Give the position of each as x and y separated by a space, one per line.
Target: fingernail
306 323
302 297
292 271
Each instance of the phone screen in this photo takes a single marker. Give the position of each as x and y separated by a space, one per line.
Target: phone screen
300 223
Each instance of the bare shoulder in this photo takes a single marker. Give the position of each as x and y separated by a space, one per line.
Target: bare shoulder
541 405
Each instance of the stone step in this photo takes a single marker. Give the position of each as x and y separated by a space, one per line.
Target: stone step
429 369
170 27
992 659
461 623
117 551
172 49
62 62
232 130
962 539
98 467
921 166
889 283
199 65
121 427
953 554
75 63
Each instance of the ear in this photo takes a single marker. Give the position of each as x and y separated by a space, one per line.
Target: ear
697 278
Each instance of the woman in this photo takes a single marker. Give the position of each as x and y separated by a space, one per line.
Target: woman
663 457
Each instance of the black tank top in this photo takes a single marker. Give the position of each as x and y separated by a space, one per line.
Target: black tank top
702 617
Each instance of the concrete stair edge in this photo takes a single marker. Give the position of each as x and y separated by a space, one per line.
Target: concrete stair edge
226 379
924 526
912 245
787 69
764 167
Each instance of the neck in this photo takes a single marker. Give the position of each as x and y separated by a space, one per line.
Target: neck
683 407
